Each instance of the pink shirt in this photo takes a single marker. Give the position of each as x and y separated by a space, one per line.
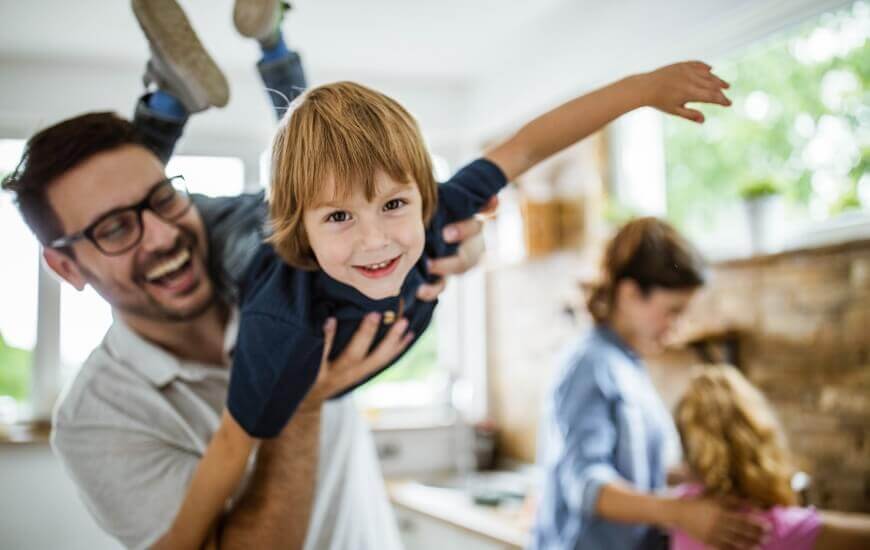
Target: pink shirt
791 528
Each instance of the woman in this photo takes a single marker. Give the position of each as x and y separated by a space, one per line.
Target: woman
606 430
736 448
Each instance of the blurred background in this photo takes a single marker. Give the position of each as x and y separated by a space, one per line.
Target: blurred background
775 190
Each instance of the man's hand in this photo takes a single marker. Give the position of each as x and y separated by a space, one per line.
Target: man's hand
669 88
720 524
466 232
353 364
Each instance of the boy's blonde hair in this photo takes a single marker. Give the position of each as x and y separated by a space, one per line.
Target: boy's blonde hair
343 132
732 439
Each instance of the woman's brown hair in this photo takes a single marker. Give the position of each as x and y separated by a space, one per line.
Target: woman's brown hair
732 440
343 133
649 252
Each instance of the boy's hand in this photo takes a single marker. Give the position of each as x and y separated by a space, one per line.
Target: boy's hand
669 88
354 364
467 232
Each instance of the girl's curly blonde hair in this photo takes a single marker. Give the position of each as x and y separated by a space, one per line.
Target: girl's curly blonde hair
732 439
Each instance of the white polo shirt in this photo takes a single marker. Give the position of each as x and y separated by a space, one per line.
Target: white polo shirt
133 425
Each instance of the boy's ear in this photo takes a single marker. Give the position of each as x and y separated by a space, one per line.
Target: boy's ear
65 267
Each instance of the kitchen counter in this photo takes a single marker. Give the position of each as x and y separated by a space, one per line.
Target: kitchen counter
506 524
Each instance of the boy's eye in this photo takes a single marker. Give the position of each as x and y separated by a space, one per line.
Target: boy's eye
394 204
338 217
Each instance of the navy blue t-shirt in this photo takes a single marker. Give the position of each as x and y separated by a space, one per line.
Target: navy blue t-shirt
283 309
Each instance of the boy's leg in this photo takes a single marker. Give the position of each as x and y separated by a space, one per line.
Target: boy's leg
184 77
280 68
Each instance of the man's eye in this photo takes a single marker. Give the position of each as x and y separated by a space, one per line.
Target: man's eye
115 229
395 204
338 217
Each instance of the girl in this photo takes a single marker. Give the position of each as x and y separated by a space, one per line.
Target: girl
736 448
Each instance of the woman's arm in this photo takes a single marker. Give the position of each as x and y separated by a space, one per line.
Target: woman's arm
706 520
667 89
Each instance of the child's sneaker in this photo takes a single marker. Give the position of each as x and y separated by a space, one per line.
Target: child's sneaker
259 19
179 63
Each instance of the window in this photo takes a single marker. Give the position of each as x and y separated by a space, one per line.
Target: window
800 120
213 176
18 294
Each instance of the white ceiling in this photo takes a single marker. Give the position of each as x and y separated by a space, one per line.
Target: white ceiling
395 38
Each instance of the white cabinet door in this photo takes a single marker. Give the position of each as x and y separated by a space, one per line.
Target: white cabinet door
420 532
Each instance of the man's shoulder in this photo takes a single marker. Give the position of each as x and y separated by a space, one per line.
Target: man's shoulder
100 384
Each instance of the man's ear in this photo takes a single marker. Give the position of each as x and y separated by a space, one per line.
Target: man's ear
65 267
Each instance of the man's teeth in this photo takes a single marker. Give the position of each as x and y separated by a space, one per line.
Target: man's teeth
169 265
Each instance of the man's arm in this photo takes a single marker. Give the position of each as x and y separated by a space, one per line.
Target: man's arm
275 508
667 89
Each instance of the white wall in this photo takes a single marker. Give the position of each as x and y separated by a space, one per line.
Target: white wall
582 45
39 507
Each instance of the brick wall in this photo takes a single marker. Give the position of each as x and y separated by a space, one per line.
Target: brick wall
803 320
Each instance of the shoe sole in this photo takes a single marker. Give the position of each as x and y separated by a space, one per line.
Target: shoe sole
256 18
171 35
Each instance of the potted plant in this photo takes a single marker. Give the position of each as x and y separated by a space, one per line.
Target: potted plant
762 199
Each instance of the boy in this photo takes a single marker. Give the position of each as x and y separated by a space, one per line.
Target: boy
353 207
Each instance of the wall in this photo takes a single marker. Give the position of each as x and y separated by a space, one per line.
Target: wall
803 321
804 324
39 504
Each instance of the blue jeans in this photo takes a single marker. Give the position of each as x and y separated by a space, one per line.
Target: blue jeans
284 80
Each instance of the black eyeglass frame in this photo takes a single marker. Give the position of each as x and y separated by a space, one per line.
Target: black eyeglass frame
178 185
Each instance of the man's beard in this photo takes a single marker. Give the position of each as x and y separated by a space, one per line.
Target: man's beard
151 309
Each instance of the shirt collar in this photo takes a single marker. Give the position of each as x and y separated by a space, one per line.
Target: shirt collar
607 334
345 302
156 364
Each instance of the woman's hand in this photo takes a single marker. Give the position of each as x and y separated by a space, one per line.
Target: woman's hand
467 233
669 88
719 523
354 364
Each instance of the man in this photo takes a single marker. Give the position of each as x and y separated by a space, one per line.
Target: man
135 422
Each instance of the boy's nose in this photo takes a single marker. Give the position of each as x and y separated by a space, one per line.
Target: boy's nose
373 236
157 233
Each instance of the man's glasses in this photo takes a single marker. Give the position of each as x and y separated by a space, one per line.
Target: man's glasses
119 230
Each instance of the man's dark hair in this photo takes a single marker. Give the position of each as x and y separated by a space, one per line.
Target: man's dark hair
53 152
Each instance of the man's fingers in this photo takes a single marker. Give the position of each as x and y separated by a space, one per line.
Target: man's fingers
429 292
389 348
449 265
328 339
490 207
362 339
460 231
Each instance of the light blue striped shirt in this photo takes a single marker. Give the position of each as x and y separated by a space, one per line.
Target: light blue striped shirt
604 421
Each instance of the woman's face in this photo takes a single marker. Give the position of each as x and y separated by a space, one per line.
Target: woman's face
647 318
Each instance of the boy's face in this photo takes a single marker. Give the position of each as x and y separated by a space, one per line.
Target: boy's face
370 246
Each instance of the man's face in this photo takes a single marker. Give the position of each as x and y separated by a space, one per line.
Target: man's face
369 245
163 277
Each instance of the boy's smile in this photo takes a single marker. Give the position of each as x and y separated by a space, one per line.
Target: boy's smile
369 245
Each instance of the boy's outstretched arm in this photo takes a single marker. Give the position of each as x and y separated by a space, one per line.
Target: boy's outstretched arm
667 89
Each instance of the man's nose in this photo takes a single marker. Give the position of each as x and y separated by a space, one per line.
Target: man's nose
157 233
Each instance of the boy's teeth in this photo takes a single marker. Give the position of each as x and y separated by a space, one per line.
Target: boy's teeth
169 265
378 266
